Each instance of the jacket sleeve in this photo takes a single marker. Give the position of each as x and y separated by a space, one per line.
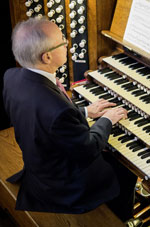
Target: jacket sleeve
72 133
82 110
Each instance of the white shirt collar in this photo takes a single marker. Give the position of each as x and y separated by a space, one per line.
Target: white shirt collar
50 76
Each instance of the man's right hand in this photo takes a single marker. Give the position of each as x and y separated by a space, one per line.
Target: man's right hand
115 114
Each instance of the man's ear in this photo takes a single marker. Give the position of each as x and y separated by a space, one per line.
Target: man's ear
47 58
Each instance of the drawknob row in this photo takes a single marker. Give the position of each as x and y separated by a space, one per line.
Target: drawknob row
79 11
29 2
36 9
58 10
57 15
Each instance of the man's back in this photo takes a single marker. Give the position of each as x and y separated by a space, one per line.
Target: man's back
64 168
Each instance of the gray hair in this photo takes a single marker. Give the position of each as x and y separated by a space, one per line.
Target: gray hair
29 41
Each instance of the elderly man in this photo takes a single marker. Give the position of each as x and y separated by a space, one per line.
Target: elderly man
64 169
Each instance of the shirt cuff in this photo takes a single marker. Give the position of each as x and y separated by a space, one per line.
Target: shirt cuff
86 112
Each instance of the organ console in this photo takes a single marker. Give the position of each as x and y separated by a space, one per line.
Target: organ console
96 29
123 78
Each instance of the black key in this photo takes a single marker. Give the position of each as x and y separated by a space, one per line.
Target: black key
141 120
133 146
145 71
105 70
125 140
112 76
127 85
119 103
117 133
96 89
145 97
114 100
137 148
134 117
145 155
99 93
143 152
123 137
87 86
120 81
136 66
138 93
106 96
127 108
131 113
147 101
132 88
127 61
143 123
131 143
118 56
123 60
146 127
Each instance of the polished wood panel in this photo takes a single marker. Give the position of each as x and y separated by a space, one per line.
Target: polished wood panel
118 26
105 11
92 34
17 11
121 17
119 22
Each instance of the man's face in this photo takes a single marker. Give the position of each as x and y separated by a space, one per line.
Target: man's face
59 55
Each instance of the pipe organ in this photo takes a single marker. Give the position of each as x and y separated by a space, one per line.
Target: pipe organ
119 74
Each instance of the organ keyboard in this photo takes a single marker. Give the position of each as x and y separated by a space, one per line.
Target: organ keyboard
125 80
130 137
131 150
125 87
136 123
131 67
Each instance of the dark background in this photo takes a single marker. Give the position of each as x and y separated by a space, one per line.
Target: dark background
7 59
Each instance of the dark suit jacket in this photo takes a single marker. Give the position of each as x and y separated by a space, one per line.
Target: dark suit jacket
64 170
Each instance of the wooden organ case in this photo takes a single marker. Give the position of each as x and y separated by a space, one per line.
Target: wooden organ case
125 80
102 38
